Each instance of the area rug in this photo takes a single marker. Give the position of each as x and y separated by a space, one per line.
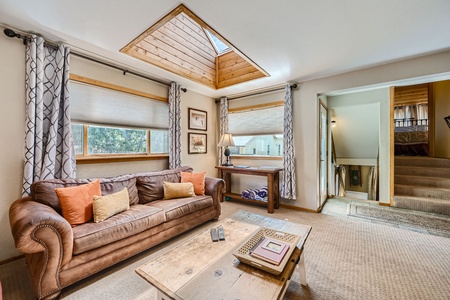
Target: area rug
400 216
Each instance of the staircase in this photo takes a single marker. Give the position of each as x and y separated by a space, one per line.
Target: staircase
422 183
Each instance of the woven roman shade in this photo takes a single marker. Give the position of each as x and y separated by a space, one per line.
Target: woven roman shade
92 104
257 122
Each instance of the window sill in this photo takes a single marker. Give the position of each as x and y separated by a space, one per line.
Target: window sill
257 157
95 159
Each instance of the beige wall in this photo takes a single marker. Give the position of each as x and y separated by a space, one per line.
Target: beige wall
441 95
200 162
12 118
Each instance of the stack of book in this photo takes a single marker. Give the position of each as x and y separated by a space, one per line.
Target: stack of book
269 250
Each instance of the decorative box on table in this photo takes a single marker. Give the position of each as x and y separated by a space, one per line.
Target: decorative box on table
243 251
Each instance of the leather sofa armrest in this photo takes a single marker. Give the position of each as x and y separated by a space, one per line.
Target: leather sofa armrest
214 188
37 227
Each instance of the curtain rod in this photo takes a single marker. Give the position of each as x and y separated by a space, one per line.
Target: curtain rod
12 34
293 86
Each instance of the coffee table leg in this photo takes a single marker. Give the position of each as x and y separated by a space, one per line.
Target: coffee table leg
302 270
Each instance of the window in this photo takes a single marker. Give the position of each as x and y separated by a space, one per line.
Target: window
107 140
78 138
218 44
159 141
269 145
257 131
109 123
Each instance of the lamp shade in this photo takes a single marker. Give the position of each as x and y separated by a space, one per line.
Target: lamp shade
226 140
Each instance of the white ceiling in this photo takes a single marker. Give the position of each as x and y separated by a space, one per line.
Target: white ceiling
293 40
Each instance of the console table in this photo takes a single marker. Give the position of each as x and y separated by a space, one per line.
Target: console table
273 183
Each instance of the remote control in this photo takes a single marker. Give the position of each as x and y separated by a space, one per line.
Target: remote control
214 236
221 233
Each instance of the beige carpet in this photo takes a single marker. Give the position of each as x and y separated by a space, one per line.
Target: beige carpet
345 259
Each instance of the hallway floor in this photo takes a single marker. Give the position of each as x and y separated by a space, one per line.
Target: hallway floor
338 207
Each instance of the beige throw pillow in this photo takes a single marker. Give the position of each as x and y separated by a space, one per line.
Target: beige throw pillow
109 205
178 190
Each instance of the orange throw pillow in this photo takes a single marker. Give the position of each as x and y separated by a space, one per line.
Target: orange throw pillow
76 202
197 179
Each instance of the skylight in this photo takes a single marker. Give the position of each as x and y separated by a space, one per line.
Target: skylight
218 44
184 44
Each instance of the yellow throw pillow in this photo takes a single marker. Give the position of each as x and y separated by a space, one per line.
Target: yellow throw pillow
76 201
109 205
178 190
197 179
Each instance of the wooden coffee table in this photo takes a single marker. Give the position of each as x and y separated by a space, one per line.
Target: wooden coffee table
202 269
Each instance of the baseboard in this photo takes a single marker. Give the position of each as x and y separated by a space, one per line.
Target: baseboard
299 208
11 259
383 204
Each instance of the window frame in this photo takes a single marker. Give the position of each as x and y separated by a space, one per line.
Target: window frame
86 158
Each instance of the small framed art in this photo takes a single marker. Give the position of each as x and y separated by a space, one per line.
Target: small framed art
197 143
197 119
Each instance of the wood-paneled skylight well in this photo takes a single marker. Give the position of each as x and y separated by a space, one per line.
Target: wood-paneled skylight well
184 44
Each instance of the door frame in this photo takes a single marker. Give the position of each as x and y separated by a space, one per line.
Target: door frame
321 196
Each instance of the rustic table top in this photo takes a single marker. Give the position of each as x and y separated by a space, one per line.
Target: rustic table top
202 269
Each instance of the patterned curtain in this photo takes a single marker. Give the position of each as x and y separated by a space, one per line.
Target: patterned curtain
223 125
340 177
174 126
49 150
289 182
373 180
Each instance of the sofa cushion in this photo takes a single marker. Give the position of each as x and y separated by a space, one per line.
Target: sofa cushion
44 191
137 219
174 190
150 185
76 201
197 179
177 208
107 206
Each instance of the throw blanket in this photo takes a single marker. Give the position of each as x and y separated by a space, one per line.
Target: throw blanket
263 192
255 194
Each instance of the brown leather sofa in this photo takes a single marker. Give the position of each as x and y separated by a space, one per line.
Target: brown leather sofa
58 255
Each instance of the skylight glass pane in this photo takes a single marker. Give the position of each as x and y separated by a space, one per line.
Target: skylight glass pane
220 46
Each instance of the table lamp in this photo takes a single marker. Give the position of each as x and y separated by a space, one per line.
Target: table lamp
225 141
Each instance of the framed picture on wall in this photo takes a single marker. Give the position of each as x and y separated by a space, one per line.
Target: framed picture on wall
197 143
197 119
